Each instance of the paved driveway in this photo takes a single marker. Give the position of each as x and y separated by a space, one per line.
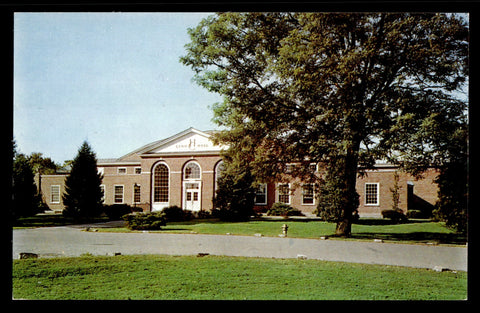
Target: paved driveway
72 241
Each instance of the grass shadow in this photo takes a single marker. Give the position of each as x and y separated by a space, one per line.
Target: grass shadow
439 238
387 221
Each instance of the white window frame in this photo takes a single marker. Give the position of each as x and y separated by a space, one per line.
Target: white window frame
135 170
377 194
51 194
265 194
303 194
158 206
133 196
121 168
218 173
289 194
115 194
185 171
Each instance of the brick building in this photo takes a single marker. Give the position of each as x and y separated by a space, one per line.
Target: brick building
182 170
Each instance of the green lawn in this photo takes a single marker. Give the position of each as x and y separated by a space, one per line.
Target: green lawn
214 277
415 231
49 220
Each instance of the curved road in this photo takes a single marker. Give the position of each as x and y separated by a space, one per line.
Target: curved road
72 241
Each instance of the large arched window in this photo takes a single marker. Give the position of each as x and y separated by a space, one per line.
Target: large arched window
218 172
160 191
191 171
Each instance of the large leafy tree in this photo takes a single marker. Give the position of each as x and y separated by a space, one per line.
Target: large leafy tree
340 89
83 196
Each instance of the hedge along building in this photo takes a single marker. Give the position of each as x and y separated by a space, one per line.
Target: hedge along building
183 169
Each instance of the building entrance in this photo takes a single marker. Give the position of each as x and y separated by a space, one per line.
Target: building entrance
192 196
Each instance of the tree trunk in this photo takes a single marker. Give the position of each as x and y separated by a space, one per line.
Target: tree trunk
350 195
344 227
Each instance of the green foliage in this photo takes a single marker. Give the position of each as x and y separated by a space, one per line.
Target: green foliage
332 198
282 209
145 221
176 214
325 87
25 200
415 214
395 215
116 211
235 194
41 164
83 196
451 206
395 190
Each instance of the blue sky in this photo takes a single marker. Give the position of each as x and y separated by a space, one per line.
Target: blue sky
113 79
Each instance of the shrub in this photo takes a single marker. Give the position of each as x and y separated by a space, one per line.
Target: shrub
145 221
282 209
176 214
394 215
116 211
415 214
201 214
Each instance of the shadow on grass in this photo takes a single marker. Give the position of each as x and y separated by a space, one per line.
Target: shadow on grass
386 221
54 220
174 229
439 238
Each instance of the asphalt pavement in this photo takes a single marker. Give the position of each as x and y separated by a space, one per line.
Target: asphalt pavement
75 241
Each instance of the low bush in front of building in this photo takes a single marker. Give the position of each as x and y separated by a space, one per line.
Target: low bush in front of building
417 214
116 211
395 215
175 213
282 209
145 221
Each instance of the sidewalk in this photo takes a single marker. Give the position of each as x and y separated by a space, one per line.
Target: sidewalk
71 241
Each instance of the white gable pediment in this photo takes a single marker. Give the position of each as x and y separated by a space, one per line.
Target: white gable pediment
190 141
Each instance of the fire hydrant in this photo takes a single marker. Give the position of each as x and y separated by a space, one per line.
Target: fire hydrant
285 229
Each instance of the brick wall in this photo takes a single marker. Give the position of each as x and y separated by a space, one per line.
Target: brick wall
45 183
423 188
175 164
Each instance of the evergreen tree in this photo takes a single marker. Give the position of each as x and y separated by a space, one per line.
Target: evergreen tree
82 197
332 88
24 190
235 192
453 182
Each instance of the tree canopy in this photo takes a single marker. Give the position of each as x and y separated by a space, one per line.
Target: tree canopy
341 89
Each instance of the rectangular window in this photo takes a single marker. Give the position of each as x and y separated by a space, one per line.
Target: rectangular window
261 195
138 170
118 194
121 170
371 193
55 194
136 193
308 194
284 193
102 188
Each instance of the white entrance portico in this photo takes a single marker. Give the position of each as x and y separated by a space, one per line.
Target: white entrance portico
176 170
